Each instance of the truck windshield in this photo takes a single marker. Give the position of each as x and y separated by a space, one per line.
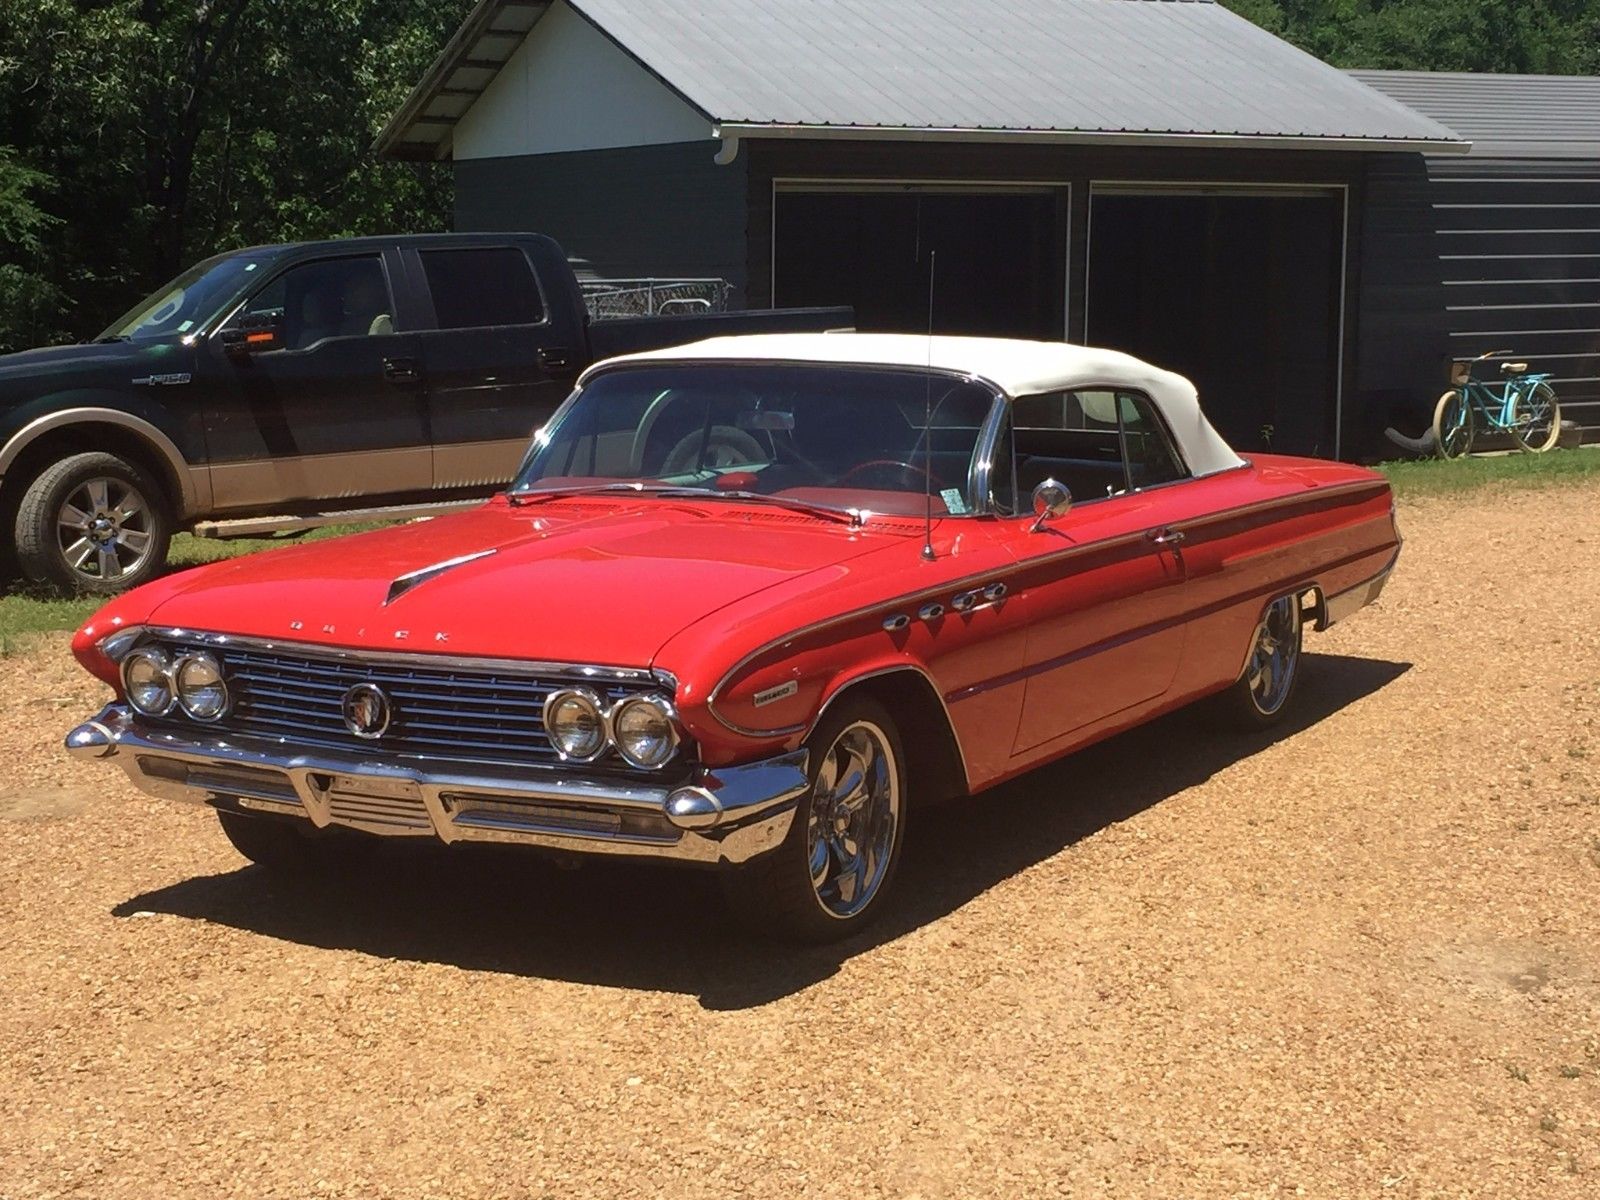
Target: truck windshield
191 300
846 437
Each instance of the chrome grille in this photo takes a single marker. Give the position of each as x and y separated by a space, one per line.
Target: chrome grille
448 712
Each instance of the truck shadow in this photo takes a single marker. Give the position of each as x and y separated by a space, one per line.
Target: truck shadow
486 908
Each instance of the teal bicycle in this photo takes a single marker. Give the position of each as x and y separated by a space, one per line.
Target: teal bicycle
1520 404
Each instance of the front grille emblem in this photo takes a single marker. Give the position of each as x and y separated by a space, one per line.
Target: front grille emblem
367 710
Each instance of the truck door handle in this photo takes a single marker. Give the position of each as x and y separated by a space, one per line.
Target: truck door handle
1167 537
556 360
401 370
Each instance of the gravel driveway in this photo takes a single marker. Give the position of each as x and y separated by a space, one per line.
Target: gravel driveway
1360 959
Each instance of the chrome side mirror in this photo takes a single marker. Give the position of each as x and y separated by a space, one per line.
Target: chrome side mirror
1051 499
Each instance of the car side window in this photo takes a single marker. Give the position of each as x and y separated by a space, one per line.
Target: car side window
482 286
329 298
1100 443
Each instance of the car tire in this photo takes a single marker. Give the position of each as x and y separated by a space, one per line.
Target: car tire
92 523
1271 677
288 847
812 888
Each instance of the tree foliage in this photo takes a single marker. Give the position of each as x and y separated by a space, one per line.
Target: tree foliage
137 136
1554 37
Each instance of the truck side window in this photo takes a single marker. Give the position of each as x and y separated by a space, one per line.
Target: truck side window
334 297
482 286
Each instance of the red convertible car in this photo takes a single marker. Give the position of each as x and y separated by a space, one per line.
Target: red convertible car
744 604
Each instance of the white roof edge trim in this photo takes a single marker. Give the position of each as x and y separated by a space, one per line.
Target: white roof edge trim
1215 141
1019 368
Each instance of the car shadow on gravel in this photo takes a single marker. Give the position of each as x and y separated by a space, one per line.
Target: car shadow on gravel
485 908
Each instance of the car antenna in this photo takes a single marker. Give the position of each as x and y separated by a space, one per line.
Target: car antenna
927 424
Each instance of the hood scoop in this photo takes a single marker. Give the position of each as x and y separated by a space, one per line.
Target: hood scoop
402 584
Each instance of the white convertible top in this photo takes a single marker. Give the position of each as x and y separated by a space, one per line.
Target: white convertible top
1019 368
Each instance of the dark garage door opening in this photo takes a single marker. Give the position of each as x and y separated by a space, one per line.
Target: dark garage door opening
1001 258
1240 292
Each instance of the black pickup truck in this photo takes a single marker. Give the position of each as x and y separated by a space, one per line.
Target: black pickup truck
282 385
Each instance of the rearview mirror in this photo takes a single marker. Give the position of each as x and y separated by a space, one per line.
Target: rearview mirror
253 335
1051 499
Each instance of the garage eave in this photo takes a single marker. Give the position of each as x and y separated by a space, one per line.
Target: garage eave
751 131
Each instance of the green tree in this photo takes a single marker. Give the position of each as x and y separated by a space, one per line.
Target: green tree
157 132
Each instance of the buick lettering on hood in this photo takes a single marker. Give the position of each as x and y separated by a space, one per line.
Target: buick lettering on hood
746 605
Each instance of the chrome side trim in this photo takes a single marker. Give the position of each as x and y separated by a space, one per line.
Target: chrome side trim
720 816
443 661
186 476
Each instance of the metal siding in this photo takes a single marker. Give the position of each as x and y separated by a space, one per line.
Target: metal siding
1519 247
640 211
1504 116
1131 66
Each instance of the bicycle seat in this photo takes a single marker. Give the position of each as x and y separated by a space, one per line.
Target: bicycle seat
1513 368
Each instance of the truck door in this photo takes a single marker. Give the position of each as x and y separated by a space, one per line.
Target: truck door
497 362
332 409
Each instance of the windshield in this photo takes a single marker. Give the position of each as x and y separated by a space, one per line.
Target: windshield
186 304
841 436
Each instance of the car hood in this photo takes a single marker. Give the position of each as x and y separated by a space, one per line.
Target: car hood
601 581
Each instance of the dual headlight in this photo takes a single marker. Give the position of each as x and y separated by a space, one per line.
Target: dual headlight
156 682
643 729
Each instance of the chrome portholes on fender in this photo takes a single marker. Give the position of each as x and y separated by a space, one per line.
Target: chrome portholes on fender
856 805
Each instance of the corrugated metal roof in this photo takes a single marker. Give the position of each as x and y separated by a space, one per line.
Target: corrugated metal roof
1130 70
1504 116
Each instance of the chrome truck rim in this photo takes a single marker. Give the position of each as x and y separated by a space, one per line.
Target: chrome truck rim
1276 655
103 529
855 809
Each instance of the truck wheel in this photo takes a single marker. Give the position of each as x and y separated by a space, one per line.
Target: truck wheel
286 847
92 523
829 877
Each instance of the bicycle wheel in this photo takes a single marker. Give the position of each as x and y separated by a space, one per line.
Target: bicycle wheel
1536 418
1452 425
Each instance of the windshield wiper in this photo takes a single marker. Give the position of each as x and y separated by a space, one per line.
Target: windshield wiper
535 495
111 337
850 516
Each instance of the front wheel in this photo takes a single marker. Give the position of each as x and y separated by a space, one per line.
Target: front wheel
1452 425
93 523
1536 419
829 877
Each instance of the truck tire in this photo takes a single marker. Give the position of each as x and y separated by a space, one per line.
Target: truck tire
93 523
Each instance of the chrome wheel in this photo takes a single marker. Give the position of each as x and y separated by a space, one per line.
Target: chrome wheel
105 529
1275 657
855 811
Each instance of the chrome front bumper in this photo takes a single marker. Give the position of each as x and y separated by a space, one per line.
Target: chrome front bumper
722 816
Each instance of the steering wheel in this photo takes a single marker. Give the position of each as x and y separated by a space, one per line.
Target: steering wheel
910 471
725 446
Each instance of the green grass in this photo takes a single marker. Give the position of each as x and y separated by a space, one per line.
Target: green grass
1434 477
26 612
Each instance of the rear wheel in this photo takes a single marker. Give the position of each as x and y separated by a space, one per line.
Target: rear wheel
829 877
1271 674
293 848
92 523
1536 418
1452 425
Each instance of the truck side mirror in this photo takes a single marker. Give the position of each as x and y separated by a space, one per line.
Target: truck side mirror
253 335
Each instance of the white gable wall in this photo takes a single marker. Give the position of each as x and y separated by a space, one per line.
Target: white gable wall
569 87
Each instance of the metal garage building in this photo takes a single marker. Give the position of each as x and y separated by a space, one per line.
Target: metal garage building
1157 175
1499 249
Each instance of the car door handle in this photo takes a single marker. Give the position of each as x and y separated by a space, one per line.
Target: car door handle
1167 537
556 360
401 370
